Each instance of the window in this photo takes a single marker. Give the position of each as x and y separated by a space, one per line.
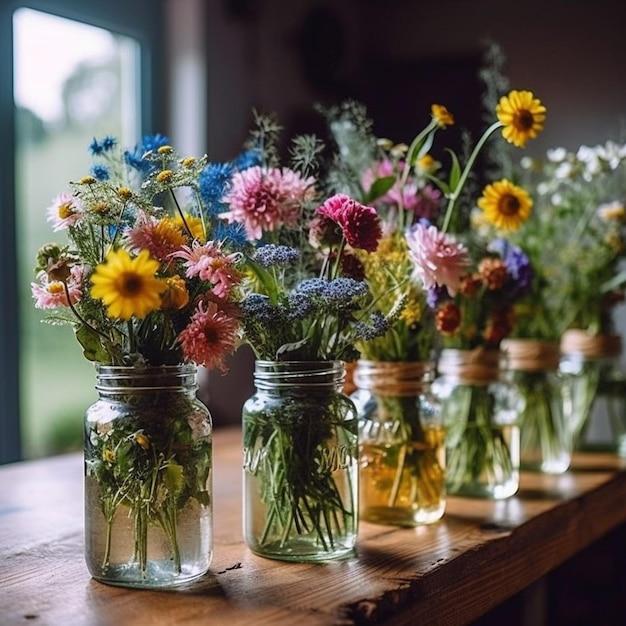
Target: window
79 71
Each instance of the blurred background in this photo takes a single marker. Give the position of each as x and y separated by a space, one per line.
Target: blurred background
193 69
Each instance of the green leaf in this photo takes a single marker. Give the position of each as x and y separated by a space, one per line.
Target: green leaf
440 183
91 344
174 479
455 171
290 348
425 147
379 188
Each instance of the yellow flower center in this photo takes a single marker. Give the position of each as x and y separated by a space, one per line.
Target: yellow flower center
509 204
101 208
165 176
55 287
125 193
65 210
165 150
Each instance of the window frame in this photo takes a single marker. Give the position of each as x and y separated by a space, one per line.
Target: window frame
142 20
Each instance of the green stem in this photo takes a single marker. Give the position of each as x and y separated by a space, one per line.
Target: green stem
454 195
182 216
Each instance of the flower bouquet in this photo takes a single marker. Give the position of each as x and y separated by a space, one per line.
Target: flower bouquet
401 434
303 308
146 280
583 193
470 288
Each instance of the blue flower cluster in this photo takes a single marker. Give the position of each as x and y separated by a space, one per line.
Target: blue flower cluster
98 147
213 182
134 157
271 255
232 234
518 267
377 327
247 159
338 294
260 309
100 172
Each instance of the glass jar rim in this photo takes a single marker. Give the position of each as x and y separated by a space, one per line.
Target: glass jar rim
478 366
270 375
125 378
394 378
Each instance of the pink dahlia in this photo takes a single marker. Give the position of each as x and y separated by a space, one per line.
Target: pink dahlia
438 258
50 294
263 199
359 224
209 337
160 238
65 211
209 263
425 202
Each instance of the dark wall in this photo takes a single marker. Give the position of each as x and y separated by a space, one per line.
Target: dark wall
400 56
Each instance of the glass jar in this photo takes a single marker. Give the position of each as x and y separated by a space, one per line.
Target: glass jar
300 462
401 444
481 409
148 515
593 387
546 439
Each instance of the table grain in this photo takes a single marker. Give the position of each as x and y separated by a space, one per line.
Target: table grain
449 573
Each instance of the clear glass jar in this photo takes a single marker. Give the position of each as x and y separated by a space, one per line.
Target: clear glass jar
546 438
401 444
300 463
594 390
481 410
148 515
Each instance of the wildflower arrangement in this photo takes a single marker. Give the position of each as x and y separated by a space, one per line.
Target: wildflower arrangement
148 280
303 304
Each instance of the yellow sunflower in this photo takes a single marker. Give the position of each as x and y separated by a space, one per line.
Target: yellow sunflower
505 205
442 116
523 116
128 286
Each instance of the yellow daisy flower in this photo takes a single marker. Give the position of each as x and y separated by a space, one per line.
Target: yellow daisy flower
505 205
522 115
128 286
442 116
175 296
427 164
194 223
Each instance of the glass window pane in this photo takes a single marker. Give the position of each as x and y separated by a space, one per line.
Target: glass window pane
73 81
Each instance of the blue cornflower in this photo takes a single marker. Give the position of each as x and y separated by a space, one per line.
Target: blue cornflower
311 287
100 172
435 295
299 306
377 327
271 255
134 157
213 182
108 143
246 159
233 235
95 147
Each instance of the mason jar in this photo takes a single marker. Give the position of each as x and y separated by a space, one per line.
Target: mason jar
481 410
300 462
594 390
401 444
546 437
148 501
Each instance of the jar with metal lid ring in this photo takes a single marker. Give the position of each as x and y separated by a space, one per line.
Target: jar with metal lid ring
481 410
401 443
300 463
148 500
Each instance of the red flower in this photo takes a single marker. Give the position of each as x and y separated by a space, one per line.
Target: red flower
359 224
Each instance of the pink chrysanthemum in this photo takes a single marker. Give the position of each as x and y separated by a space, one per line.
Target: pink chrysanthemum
65 211
359 224
263 199
425 202
209 337
160 238
438 258
50 294
209 263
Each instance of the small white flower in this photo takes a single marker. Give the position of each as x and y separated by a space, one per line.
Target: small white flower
526 163
556 155
543 189
563 170
556 199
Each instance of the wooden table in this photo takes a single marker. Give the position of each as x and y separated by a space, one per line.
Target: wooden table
448 573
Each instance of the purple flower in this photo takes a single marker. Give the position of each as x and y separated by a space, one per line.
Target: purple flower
517 265
435 295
